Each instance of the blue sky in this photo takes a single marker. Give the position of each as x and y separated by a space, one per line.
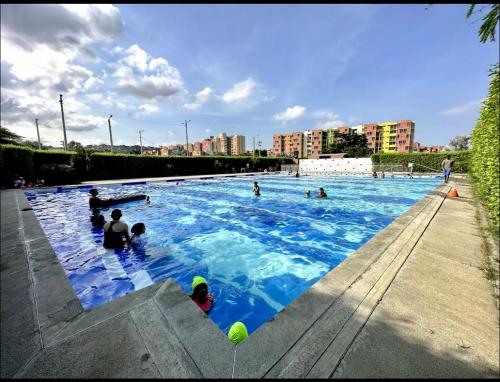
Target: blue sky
255 70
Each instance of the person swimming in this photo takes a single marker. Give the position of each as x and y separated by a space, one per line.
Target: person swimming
200 294
97 219
308 193
322 193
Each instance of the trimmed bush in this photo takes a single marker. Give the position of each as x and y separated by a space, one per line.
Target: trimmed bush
123 166
485 151
43 160
43 157
431 161
15 160
57 174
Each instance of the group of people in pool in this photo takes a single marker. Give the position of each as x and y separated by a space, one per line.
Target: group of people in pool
321 194
116 236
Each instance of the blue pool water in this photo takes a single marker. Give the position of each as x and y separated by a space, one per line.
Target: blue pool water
257 253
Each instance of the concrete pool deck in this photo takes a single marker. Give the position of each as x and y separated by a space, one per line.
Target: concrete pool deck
410 303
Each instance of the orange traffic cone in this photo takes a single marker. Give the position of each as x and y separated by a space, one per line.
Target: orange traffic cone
453 193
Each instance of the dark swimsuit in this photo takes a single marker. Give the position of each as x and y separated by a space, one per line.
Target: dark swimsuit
113 239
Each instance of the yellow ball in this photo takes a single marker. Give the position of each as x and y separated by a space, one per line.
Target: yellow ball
237 333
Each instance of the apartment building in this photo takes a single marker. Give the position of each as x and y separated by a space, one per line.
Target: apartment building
418 148
381 137
209 146
390 136
237 144
291 144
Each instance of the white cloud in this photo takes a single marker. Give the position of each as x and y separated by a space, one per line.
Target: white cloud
472 105
143 76
332 124
41 46
330 120
148 109
203 96
290 113
208 130
240 91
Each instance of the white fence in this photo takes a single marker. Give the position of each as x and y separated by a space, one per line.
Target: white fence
337 165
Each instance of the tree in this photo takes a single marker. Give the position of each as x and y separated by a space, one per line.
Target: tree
74 146
7 136
490 20
32 144
460 142
354 145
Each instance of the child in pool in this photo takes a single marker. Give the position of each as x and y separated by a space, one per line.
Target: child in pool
136 241
200 294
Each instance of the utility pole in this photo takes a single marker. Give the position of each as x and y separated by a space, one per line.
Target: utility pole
187 143
259 143
64 126
110 135
140 138
38 134
253 152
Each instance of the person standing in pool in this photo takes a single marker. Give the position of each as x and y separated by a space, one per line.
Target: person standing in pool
256 189
322 193
136 241
97 219
94 200
116 232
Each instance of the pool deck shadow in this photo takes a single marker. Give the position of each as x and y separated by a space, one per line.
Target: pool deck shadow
403 305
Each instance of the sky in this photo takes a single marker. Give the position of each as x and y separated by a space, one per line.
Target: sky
254 70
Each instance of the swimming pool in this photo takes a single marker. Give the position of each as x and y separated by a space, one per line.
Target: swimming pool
257 253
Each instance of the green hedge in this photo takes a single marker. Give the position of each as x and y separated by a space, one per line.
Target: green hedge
15 160
430 160
123 166
59 167
485 151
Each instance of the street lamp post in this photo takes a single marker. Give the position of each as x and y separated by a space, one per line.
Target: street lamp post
64 125
187 142
140 138
110 134
38 134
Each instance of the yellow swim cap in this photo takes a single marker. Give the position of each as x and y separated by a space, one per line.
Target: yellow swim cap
197 280
237 333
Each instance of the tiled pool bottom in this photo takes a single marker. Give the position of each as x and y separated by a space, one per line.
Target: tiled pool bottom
257 253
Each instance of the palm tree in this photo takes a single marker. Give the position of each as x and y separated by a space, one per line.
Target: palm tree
488 27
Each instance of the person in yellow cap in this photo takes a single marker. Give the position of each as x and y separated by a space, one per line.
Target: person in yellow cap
237 333
200 294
